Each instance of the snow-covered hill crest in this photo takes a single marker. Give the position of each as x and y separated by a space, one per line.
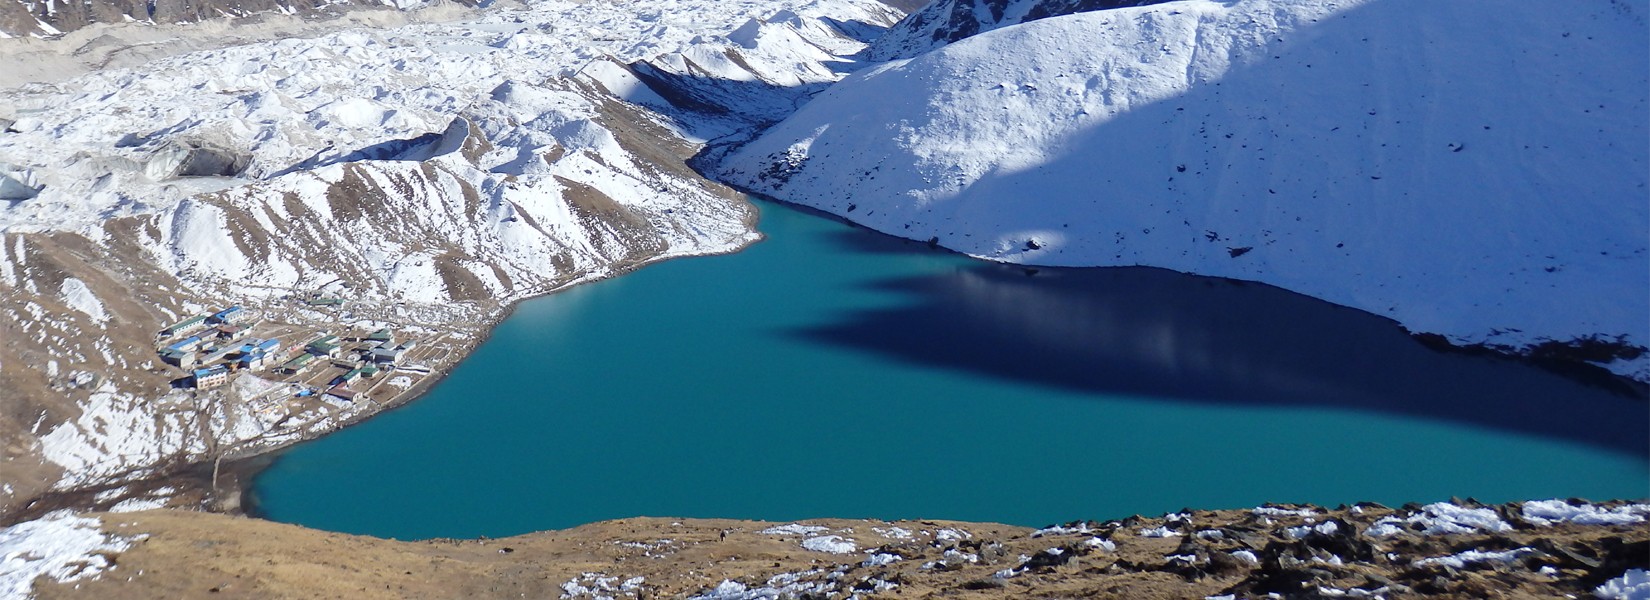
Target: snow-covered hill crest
1476 170
945 21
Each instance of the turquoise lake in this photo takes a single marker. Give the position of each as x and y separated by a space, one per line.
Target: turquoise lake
830 371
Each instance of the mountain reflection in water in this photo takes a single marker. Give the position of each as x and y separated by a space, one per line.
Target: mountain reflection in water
1177 337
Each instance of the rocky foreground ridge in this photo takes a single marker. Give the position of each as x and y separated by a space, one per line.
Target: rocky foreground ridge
1542 549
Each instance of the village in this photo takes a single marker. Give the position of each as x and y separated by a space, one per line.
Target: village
338 365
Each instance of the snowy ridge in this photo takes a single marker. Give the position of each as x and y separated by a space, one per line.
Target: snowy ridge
1396 156
295 103
759 74
945 21
556 197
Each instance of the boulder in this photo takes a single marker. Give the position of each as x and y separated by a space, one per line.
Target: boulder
194 159
18 183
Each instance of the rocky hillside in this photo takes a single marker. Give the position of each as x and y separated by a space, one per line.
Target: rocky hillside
1476 172
1524 550
419 179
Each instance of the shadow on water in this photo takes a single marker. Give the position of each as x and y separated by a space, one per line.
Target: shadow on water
1162 334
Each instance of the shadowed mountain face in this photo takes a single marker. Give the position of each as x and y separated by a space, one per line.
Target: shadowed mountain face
944 21
1184 338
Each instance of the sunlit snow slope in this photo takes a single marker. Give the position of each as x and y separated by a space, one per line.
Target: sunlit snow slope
1473 169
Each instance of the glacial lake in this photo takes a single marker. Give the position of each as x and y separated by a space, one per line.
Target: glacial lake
830 371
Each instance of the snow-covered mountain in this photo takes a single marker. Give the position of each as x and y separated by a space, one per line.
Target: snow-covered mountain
1471 169
944 21
439 171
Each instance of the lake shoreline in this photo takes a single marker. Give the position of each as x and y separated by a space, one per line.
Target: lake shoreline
710 305
253 464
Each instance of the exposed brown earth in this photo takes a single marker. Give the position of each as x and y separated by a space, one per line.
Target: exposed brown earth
190 554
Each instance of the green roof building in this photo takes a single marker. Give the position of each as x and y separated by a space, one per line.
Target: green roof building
323 346
184 326
298 363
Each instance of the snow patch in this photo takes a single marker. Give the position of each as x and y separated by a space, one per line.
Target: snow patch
61 546
1632 585
1463 559
1553 512
833 544
794 529
1442 518
81 298
1159 532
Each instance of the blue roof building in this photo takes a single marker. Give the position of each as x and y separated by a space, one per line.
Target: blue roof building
253 359
186 344
211 377
228 315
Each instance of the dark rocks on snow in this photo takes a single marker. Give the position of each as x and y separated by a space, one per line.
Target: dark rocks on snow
1048 559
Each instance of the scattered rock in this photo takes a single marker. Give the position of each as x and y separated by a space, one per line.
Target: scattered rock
1050 558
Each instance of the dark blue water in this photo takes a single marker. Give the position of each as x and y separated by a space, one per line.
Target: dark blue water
831 371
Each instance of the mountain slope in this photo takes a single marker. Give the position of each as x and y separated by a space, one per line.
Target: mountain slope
51 17
1476 171
426 177
945 21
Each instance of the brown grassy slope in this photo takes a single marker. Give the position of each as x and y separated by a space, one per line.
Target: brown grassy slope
191 555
